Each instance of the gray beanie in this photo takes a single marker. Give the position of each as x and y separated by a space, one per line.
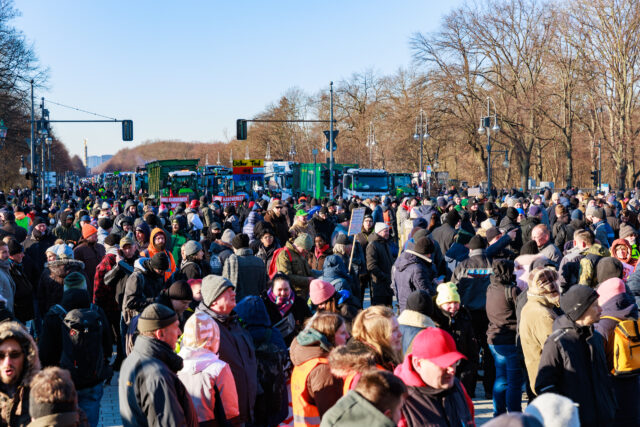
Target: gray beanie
75 280
156 316
212 287
192 247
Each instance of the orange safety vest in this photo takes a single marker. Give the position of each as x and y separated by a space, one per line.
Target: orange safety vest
387 218
348 381
304 413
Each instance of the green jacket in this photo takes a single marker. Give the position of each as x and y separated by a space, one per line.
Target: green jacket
177 240
353 410
587 275
294 265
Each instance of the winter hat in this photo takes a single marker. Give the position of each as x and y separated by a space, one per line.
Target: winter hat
156 316
212 287
75 280
105 223
160 261
303 241
191 248
201 331
380 226
112 240
38 220
577 300
529 248
88 230
437 346
452 218
576 214
420 301
180 290
488 223
126 241
477 242
301 212
535 210
342 239
512 213
542 261
626 230
543 281
320 291
420 222
424 246
15 247
215 226
492 233
63 251
608 268
240 241
554 410
514 419
609 289
447 292
227 236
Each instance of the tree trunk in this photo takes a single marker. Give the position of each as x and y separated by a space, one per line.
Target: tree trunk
525 167
569 168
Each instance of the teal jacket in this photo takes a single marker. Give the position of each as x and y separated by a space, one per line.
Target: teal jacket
353 410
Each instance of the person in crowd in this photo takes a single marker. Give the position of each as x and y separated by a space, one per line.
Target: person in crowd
573 361
292 262
300 225
375 402
142 234
105 225
158 244
321 224
618 306
314 389
335 272
193 265
416 316
377 328
177 297
265 244
66 230
220 250
53 400
414 270
150 392
179 236
321 250
324 297
379 264
236 344
561 227
501 337
601 228
541 235
552 409
90 252
37 244
144 285
276 216
208 379
7 285
580 263
435 395
23 301
452 317
445 234
246 271
287 311
537 316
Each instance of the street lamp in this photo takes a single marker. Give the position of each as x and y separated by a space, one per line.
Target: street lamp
292 150
485 126
371 142
23 169
422 133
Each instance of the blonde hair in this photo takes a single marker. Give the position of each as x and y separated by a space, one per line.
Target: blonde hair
327 324
373 327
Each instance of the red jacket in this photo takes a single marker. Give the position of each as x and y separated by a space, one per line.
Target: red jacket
103 295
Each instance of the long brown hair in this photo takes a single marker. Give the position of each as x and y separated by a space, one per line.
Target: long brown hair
327 324
374 328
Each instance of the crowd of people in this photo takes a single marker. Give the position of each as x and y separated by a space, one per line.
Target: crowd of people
281 312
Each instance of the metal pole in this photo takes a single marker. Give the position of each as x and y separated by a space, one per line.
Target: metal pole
315 170
600 165
331 146
33 151
43 165
421 142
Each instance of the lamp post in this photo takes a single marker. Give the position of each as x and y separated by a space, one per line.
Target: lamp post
422 133
371 142
485 126
23 170
292 150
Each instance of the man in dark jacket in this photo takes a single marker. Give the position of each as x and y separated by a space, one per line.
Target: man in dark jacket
276 216
150 392
10 228
321 224
21 269
90 252
379 264
573 361
67 231
446 233
37 243
508 223
144 285
236 348
414 270
246 271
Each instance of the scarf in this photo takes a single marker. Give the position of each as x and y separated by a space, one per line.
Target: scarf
320 251
283 306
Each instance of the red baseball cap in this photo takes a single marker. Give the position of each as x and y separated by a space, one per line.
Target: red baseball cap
437 346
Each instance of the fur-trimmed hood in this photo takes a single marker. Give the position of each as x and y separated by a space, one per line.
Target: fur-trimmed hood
415 319
16 331
61 268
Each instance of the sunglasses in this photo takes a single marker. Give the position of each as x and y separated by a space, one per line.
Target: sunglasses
11 355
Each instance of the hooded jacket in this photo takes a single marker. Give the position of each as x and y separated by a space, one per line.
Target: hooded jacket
142 287
379 264
202 369
152 250
472 276
411 323
335 272
411 272
574 364
353 410
247 272
501 304
90 255
51 285
588 263
294 265
7 285
150 392
14 408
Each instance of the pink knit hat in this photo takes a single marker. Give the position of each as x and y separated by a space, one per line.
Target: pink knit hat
320 291
609 289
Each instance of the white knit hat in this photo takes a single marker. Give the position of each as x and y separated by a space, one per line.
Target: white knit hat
380 226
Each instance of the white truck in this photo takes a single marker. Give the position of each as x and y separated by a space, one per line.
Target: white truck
278 176
365 183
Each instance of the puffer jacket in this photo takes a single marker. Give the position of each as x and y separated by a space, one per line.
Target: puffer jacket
14 408
142 287
353 410
250 223
247 272
472 276
151 394
445 236
294 265
501 304
411 272
573 364
379 264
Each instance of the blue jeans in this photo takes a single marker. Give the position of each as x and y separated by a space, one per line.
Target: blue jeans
507 389
89 400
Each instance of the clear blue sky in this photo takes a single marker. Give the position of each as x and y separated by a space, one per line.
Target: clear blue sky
188 69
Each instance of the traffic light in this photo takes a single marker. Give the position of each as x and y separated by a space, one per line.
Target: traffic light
127 130
325 178
594 177
241 129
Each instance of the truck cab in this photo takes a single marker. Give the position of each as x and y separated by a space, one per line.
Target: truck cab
401 184
183 182
365 183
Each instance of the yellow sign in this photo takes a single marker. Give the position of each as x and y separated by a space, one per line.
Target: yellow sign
251 162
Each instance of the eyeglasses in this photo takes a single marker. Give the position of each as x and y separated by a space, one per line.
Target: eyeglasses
11 355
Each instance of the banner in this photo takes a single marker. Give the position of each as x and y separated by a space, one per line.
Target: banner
357 218
256 163
247 170
229 200
174 201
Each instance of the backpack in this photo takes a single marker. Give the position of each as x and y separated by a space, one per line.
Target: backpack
273 269
272 405
626 347
82 352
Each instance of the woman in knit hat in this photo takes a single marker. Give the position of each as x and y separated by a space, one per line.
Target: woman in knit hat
449 315
324 297
208 379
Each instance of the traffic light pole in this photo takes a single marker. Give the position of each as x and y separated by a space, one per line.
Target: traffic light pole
331 146
600 165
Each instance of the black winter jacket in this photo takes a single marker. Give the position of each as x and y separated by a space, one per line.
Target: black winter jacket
379 264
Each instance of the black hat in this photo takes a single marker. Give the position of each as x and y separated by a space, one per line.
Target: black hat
424 246
15 247
156 316
512 213
477 242
180 290
105 223
577 300
452 217
342 217
609 268
324 210
529 248
112 239
240 241
160 261
39 220
342 239
420 301
492 233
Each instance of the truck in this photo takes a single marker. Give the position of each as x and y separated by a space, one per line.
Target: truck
216 180
313 179
278 176
364 183
248 176
401 184
173 177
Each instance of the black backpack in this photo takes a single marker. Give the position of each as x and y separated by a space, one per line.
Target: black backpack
271 407
82 352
